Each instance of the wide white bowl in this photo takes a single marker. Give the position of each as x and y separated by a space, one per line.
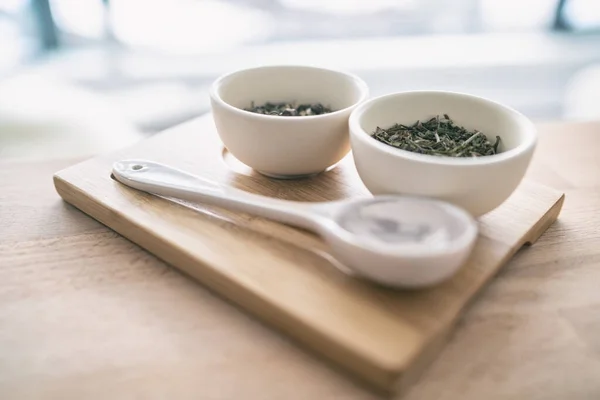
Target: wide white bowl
478 185
286 147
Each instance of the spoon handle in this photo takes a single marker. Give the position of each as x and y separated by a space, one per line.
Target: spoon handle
162 180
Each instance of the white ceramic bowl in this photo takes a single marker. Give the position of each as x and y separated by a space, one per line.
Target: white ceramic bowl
478 185
286 147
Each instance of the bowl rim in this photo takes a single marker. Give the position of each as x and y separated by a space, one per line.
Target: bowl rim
359 133
355 79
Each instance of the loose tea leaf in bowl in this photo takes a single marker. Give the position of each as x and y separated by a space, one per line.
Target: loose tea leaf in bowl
289 109
438 137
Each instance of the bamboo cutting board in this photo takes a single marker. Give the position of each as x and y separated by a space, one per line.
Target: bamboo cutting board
284 275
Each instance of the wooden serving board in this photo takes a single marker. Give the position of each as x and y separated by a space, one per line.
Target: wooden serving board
284 275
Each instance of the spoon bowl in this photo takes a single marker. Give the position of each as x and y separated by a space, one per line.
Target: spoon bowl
401 240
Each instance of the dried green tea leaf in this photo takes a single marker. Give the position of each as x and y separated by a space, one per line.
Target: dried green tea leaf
289 109
438 137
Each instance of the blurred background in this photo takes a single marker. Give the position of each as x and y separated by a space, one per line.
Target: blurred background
81 77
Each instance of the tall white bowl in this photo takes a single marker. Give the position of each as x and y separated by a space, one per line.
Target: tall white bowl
279 146
478 185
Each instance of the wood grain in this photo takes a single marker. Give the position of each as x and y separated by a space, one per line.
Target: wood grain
87 314
384 337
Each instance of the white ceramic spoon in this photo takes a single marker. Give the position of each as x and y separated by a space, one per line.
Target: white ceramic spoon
396 241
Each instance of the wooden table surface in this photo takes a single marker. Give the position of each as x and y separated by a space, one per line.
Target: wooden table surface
86 314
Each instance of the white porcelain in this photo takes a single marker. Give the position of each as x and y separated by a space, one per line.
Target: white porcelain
478 185
286 146
398 241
